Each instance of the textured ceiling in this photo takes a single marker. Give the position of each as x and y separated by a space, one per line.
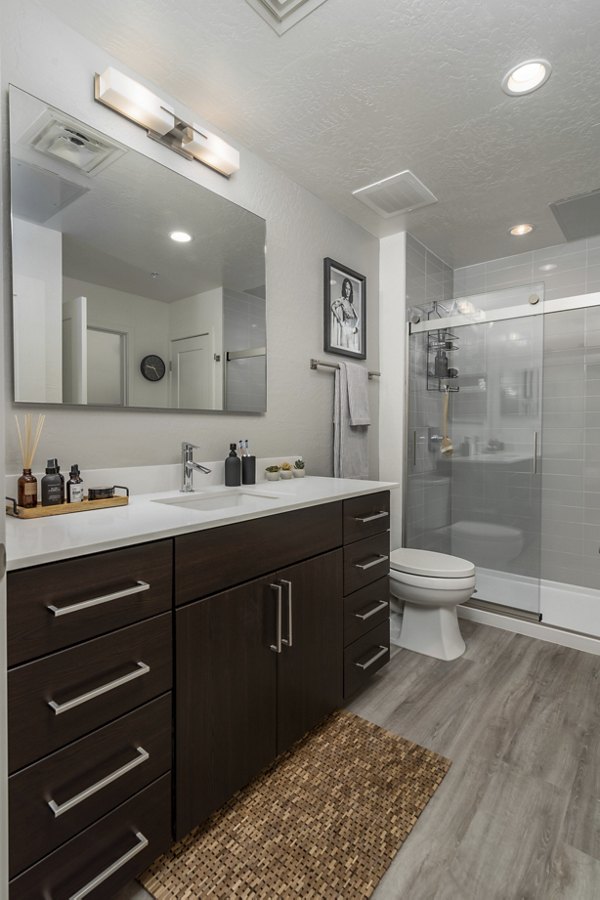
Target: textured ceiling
360 90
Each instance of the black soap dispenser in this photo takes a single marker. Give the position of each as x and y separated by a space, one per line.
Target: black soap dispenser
53 485
233 468
248 466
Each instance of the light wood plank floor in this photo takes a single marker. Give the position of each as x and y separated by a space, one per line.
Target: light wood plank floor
518 815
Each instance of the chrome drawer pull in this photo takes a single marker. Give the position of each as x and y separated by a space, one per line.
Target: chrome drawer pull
276 647
374 562
382 514
142 843
142 669
376 609
288 641
96 601
381 652
59 809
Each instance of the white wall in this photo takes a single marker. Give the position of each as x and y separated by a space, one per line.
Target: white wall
146 323
37 287
46 58
392 349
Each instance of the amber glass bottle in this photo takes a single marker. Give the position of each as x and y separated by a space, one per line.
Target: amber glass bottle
27 490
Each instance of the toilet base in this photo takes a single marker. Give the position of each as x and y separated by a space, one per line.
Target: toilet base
433 631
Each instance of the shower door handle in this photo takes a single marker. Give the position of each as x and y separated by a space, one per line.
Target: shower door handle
535 452
414 448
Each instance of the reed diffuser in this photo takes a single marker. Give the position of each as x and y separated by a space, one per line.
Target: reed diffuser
28 442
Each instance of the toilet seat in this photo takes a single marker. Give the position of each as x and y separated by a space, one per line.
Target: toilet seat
428 565
433 583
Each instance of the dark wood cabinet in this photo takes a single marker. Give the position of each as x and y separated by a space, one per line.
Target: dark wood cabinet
257 667
225 688
309 667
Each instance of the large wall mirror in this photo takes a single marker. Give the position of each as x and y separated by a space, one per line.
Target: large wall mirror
108 308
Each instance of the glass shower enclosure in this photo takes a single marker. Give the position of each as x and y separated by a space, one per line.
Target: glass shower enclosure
482 500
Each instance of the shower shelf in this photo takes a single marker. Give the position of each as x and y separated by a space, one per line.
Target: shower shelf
442 339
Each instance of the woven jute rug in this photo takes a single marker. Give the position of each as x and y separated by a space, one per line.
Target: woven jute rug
325 821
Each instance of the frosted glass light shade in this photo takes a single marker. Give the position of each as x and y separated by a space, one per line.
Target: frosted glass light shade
213 151
134 101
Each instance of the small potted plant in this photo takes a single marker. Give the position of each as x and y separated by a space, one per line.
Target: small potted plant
286 470
272 473
299 468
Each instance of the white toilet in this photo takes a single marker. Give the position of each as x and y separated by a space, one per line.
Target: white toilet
431 586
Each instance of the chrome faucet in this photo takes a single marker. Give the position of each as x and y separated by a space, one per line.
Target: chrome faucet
187 459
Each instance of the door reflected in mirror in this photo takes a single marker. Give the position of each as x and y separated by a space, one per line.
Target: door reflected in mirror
99 284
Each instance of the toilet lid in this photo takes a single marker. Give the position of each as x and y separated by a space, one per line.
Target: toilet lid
430 564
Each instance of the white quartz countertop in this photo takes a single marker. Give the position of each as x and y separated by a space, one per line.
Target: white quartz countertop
32 542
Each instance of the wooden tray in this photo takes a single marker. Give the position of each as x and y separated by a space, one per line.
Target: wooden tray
40 512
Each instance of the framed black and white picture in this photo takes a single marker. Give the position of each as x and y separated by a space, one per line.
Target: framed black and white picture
345 311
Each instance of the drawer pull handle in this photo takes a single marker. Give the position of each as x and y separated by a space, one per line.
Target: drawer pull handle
372 612
374 562
382 514
59 809
381 651
276 647
142 669
288 640
142 843
137 588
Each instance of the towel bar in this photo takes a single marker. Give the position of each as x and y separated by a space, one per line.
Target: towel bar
314 363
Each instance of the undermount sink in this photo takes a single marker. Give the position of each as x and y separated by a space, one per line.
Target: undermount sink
228 499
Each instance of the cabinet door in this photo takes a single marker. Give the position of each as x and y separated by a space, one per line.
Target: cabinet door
310 666
225 697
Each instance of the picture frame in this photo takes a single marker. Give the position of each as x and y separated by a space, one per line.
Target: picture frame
345 308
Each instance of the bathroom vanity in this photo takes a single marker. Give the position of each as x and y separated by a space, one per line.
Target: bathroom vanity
148 682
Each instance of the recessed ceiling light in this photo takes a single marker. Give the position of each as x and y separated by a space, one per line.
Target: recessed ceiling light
520 230
182 237
548 267
528 76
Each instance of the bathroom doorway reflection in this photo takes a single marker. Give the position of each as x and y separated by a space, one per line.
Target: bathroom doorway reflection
482 500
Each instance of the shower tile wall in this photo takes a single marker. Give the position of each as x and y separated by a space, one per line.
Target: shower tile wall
571 448
428 495
565 269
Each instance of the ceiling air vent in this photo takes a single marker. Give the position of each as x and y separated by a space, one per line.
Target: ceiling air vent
397 194
578 217
283 14
64 139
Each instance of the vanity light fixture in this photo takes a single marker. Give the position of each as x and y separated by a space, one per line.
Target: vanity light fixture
526 77
181 237
136 102
521 230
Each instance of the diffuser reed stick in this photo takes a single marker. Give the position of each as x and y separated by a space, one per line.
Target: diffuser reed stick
30 445
27 485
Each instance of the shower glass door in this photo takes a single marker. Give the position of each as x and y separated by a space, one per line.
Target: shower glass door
481 502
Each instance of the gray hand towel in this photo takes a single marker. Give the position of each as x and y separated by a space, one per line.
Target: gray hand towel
358 394
350 442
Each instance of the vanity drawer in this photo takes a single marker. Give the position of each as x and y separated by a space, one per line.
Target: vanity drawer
366 608
364 516
63 696
212 561
53 800
123 843
365 656
366 561
64 603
